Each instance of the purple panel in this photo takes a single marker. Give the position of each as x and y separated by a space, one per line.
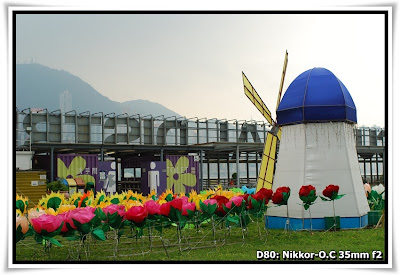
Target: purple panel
107 175
78 165
154 176
192 168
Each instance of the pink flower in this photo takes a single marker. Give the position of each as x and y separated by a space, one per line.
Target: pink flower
210 202
64 217
188 206
136 214
185 199
234 200
152 207
81 215
23 222
91 208
46 222
35 214
112 208
165 208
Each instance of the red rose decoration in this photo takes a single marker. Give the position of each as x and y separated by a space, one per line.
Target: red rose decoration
283 189
165 208
221 200
330 191
308 195
265 194
177 203
277 198
281 195
136 214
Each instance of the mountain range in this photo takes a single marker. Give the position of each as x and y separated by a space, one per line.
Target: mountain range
41 87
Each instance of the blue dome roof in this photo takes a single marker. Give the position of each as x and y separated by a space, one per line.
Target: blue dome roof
316 95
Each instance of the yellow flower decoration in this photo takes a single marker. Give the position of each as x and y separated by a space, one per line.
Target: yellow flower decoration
104 204
51 211
165 194
177 177
152 193
53 200
133 196
21 203
18 213
65 208
117 198
100 197
74 198
130 203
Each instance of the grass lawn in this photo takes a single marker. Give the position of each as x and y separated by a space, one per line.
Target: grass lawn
227 245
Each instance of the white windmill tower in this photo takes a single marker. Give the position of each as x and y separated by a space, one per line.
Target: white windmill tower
316 118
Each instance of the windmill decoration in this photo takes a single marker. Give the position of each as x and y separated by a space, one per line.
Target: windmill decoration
315 123
265 177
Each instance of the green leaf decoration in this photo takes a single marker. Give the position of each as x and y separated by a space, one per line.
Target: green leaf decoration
285 197
255 204
190 213
55 242
212 208
115 201
72 238
303 198
76 202
20 205
233 219
339 196
19 235
105 227
169 197
54 203
203 207
324 199
82 228
83 204
98 233
306 206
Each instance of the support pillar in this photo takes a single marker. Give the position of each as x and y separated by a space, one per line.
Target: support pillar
237 167
51 163
201 170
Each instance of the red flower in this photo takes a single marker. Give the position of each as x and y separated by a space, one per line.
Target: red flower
331 191
188 206
136 214
283 189
305 190
221 200
152 207
265 194
165 208
277 198
177 203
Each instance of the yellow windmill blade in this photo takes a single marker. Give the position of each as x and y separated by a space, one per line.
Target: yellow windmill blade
282 80
256 99
266 174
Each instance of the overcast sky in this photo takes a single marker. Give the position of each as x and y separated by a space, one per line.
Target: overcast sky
192 63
